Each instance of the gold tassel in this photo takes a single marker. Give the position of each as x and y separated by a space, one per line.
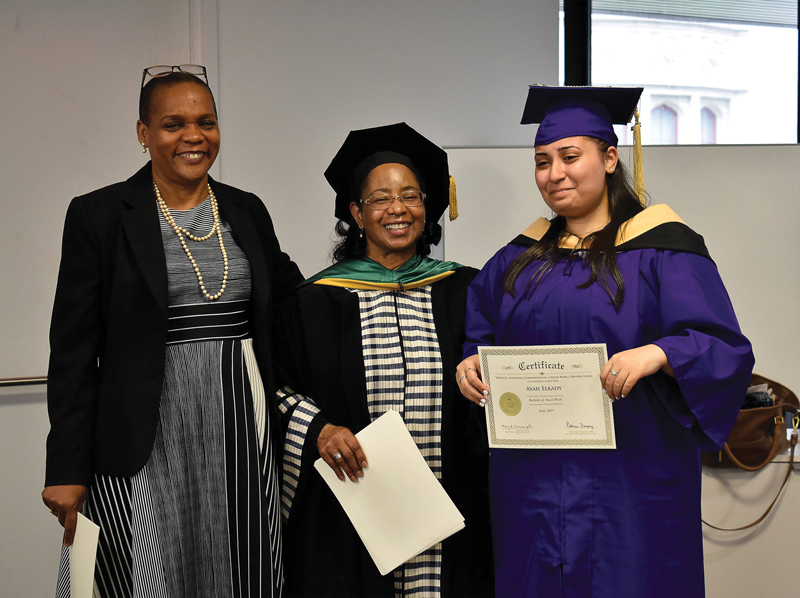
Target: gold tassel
453 200
638 169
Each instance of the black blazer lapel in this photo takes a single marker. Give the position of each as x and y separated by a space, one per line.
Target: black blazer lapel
246 235
139 217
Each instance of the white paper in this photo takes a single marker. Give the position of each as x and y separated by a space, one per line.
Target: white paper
547 396
82 557
398 508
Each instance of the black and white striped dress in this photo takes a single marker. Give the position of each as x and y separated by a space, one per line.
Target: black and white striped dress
202 517
403 367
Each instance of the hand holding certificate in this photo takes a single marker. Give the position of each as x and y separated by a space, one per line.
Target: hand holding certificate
547 396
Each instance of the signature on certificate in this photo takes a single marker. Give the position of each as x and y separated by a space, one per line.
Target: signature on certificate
580 425
515 428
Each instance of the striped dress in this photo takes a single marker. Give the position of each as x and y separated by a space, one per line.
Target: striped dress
202 517
403 367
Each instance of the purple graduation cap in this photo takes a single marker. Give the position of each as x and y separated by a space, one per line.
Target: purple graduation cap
571 111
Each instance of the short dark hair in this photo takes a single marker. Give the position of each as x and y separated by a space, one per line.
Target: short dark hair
146 95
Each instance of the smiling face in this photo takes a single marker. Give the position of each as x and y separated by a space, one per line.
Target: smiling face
392 234
181 134
571 176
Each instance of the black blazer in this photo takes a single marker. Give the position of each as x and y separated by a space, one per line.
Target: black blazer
109 327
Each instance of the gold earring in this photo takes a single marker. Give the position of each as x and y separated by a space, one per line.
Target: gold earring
144 147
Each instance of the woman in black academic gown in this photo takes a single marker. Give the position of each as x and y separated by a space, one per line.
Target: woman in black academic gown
160 365
381 329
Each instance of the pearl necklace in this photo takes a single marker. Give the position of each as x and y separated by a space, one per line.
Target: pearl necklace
180 231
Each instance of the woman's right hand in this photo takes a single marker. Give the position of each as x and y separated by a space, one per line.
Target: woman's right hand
339 448
468 378
65 502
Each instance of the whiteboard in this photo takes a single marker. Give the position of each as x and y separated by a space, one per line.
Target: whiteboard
744 200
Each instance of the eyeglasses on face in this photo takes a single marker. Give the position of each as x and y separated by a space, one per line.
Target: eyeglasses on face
380 202
161 70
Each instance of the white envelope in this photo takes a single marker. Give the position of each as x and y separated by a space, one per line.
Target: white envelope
398 508
82 557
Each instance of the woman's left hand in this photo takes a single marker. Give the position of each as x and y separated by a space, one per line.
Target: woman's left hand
65 502
339 448
624 369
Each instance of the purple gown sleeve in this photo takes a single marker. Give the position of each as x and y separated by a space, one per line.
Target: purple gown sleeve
483 303
711 358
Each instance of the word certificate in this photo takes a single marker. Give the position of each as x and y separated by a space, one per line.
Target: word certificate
547 396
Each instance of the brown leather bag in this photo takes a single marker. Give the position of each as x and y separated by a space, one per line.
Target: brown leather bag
759 434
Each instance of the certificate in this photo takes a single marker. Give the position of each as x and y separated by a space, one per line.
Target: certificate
547 396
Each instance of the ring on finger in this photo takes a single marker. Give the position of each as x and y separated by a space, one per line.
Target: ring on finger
337 456
468 369
461 378
613 373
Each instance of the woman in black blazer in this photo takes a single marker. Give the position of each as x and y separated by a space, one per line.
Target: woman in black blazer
160 366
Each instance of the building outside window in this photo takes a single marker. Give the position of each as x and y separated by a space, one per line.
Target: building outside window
716 71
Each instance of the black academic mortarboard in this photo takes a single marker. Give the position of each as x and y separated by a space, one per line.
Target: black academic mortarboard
365 149
572 111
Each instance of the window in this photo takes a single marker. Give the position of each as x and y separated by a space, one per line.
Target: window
716 64
708 127
664 126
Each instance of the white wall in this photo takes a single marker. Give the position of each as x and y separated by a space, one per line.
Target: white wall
760 561
69 83
296 77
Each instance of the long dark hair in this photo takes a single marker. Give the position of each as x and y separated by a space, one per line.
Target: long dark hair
623 204
146 95
352 244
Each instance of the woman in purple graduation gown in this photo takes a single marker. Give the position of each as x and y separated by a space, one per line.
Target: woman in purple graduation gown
623 522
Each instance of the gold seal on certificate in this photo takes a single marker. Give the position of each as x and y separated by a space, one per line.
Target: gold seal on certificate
510 404
547 396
